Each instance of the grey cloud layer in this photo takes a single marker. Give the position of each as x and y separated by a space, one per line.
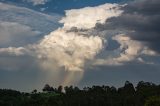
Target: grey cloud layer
141 19
20 26
15 34
28 17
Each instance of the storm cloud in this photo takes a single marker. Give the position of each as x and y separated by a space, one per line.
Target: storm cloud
68 49
140 21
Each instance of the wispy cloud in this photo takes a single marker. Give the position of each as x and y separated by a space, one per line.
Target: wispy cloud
37 2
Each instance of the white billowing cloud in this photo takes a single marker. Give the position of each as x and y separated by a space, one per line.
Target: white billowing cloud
69 49
130 50
37 2
15 34
87 17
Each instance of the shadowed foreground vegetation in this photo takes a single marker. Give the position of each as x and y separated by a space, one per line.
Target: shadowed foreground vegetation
144 94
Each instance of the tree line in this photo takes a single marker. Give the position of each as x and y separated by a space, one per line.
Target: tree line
144 94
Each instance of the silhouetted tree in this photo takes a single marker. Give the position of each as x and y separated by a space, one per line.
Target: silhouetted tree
47 88
60 88
144 94
34 91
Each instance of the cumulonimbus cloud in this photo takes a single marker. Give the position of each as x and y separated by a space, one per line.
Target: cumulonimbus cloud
70 49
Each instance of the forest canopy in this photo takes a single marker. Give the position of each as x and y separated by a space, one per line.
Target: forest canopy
144 94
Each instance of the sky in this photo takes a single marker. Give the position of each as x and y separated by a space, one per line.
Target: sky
78 42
